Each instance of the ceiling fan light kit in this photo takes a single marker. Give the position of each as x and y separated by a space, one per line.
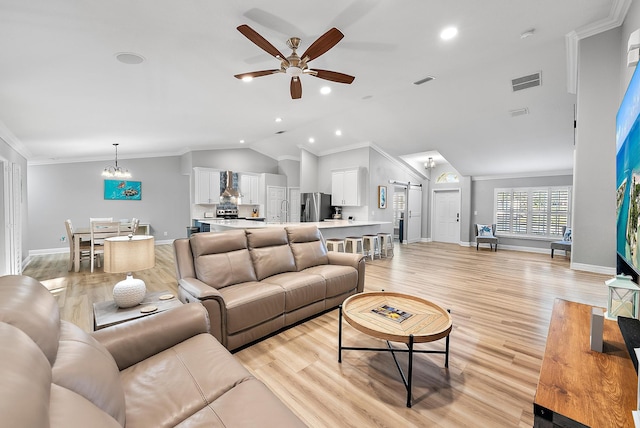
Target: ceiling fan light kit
294 65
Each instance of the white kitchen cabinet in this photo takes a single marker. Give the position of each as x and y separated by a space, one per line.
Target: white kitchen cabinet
249 189
207 186
346 187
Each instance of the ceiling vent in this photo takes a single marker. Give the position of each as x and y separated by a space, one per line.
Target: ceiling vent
425 80
525 82
518 112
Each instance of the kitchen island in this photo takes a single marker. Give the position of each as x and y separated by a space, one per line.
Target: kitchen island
329 228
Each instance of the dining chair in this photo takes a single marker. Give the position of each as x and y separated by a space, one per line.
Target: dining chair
100 230
85 246
92 219
135 222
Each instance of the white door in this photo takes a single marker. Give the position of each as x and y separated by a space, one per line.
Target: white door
294 204
414 215
275 196
446 216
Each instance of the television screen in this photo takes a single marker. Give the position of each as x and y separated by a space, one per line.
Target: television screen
628 178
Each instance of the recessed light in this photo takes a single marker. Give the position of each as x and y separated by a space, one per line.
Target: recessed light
448 33
129 58
338 132
325 90
278 119
247 79
241 141
312 140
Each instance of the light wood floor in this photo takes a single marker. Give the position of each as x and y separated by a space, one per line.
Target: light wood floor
500 303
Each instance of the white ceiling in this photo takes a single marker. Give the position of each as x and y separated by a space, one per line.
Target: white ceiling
64 96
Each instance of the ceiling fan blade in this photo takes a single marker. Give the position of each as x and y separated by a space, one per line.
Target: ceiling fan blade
296 88
334 76
322 44
260 41
256 73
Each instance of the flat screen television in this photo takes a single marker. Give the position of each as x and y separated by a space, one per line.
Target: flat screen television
628 180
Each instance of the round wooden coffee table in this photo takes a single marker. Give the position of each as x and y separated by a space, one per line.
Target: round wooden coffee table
396 317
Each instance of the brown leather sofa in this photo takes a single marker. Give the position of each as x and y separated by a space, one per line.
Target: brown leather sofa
255 282
164 370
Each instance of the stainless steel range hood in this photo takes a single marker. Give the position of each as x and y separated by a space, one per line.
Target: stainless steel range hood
229 193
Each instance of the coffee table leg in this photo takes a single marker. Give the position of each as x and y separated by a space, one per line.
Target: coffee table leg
340 333
410 374
446 357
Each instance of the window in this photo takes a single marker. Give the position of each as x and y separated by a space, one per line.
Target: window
539 212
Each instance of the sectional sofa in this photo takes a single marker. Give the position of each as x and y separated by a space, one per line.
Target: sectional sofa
164 370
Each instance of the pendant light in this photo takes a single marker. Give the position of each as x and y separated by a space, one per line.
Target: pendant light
115 170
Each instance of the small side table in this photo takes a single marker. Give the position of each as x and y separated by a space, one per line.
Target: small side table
106 314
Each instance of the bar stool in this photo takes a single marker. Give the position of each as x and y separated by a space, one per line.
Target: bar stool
351 244
371 245
334 244
386 243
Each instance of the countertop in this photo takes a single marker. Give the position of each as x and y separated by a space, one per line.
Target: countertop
329 224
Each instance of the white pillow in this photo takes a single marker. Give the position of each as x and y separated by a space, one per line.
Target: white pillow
484 230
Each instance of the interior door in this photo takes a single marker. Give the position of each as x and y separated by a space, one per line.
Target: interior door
414 214
294 204
275 196
446 216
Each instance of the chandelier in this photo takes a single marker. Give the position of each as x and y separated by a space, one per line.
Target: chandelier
430 163
116 171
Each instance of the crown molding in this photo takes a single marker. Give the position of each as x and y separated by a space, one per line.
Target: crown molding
12 141
616 16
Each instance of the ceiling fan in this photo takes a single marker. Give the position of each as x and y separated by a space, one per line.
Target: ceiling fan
294 65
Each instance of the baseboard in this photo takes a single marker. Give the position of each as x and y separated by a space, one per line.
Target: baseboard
593 268
46 251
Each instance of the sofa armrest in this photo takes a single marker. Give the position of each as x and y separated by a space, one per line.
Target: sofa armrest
134 341
194 290
199 289
355 260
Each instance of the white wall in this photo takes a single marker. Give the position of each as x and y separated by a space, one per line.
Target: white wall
594 227
76 191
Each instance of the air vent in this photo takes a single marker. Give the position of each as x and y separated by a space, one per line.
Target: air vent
518 112
425 80
526 82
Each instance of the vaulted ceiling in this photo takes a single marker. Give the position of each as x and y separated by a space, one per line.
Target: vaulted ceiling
64 96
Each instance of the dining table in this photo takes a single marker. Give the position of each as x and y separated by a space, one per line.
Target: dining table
84 234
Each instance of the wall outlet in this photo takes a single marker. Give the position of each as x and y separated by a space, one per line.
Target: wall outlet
165 233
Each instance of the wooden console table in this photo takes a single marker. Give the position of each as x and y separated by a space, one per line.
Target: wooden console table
577 386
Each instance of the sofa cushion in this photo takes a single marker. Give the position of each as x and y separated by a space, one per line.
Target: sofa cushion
26 380
171 386
68 409
222 258
307 246
300 288
85 367
270 252
22 294
251 303
339 279
252 394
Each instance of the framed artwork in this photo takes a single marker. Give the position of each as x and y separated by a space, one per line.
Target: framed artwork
117 190
382 196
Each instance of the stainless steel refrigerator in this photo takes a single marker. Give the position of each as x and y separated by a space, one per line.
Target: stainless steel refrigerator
315 206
